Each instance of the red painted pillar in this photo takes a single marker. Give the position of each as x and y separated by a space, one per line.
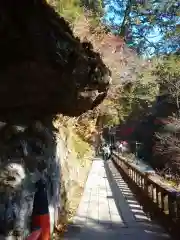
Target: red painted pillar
34 235
40 215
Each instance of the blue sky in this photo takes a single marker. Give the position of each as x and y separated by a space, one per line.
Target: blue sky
118 20
153 37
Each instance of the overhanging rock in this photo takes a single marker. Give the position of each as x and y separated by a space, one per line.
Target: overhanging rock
44 69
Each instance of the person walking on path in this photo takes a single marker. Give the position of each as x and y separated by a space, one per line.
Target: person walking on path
106 152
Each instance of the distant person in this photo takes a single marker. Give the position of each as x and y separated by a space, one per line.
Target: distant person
106 152
123 147
118 144
112 147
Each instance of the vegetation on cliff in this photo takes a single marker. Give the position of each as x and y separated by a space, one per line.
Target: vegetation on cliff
49 67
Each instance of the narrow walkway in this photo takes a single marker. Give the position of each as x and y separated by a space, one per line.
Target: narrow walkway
109 210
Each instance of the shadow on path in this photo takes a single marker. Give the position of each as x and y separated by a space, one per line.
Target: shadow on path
110 187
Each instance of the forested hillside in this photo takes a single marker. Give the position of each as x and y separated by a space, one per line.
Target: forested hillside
150 105
144 58
69 69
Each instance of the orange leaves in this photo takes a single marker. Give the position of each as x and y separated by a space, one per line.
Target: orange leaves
116 42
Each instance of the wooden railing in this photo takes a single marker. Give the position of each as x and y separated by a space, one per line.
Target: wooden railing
166 201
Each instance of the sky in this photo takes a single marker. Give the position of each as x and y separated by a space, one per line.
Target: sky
153 37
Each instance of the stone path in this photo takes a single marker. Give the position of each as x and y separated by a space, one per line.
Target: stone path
109 210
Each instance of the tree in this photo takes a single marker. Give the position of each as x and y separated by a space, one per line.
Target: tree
124 63
70 10
158 130
95 6
73 9
167 73
148 26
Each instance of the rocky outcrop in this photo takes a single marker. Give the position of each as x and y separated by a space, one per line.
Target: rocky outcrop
33 152
74 171
28 154
44 68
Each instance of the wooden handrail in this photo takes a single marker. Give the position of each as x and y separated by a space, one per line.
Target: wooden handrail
166 200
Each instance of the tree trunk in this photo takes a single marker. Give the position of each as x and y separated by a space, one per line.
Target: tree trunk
125 19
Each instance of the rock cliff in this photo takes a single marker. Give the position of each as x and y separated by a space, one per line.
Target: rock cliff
33 152
44 68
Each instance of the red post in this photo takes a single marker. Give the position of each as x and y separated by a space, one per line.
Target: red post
40 216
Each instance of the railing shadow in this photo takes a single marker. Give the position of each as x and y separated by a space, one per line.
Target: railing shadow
148 205
129 207
91 231
135 223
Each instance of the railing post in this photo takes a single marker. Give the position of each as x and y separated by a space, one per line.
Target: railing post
157 197
166 205
172 205
178 207
166 201
154 193
146 184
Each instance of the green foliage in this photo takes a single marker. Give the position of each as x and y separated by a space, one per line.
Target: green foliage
95 6
168 69
110 120
167 73
81 147
131 100
70 9
160 141
139 95
73 9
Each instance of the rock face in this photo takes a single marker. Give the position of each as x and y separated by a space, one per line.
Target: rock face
28 154
74 171
33 152
44 69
